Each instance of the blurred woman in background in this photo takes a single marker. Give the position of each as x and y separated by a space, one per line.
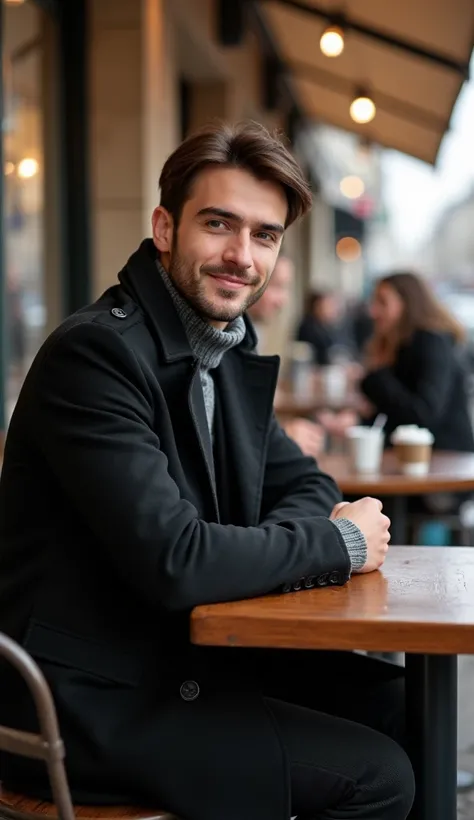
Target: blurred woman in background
414 371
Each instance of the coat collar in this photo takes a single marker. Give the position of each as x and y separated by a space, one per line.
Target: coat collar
141 280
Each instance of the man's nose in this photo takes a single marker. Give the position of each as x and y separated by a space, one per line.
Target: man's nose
238 251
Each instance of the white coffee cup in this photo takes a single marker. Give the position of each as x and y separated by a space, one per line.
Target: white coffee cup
334 380
302 370
413 447
365 449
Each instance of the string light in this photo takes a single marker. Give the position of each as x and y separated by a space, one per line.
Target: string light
332 41
348 249
362 109
352 187
28 167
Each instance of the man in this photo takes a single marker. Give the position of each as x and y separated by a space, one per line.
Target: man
144 474
307 435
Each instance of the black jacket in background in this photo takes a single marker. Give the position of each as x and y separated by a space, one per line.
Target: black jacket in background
322 338
116 520
425 386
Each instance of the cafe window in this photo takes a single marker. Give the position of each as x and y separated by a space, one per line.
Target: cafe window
32 295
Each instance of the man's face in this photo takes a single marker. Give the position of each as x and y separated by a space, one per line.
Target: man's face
223 253
276 294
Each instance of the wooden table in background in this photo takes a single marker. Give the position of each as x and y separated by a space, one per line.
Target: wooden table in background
422 604
289 405
450 472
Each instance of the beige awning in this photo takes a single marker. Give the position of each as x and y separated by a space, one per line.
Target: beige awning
412 55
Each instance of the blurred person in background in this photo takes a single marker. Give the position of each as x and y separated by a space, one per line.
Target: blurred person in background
362 326
308 435
414 371
322 328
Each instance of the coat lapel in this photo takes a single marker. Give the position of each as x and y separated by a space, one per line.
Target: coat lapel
246 383
197 409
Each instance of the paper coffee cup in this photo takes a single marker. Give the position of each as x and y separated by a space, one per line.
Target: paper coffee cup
413 447
365 449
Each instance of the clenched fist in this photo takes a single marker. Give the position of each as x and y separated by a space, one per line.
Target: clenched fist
373 524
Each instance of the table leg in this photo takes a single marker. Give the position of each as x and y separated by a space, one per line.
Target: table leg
431 702
396 508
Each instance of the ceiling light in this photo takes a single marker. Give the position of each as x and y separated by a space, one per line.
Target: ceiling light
332 41
362 109
348 249
352 187
28 167
9 168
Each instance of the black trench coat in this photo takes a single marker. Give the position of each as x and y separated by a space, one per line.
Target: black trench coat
110 533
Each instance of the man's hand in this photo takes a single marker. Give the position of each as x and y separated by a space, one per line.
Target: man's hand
367 515
307 435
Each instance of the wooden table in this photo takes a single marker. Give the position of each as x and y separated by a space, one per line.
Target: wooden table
288 404
422 604
449 472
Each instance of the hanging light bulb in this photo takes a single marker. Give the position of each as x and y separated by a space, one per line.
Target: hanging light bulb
332 41
362 108
348 249
28 167
352 187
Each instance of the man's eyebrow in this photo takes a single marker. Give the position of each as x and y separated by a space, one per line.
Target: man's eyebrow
275 227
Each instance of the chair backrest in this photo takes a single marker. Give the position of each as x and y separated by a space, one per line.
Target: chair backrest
47 745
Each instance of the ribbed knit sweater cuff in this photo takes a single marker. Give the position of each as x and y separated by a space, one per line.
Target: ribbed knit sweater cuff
354 540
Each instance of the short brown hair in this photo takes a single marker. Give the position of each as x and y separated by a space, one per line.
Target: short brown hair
247 145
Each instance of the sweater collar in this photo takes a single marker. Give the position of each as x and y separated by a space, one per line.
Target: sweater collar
207 342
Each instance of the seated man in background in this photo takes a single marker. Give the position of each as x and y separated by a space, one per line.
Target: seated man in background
308 436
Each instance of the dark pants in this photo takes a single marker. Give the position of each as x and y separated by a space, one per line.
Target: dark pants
327 706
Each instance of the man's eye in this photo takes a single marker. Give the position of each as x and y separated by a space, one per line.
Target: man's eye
216 223
266 237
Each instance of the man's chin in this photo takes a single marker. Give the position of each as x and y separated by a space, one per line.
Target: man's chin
223 308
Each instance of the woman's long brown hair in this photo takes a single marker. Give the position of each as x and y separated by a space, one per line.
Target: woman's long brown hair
422 311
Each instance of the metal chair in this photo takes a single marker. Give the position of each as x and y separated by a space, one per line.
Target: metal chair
48 746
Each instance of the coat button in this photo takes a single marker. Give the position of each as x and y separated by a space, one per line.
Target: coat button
118 313
335 578
298 585
189 690
286 588
322 580
309 582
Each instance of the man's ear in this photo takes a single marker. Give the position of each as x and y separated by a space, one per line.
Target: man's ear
163 228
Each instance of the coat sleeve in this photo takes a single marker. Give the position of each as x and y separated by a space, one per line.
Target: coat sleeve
92 419
432 358
294 487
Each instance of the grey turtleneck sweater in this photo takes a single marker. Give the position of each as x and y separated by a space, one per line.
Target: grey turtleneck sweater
209 345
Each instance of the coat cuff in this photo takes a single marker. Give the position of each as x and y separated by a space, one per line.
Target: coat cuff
354 541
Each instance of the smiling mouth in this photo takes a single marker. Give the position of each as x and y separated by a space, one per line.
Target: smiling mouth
230 281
